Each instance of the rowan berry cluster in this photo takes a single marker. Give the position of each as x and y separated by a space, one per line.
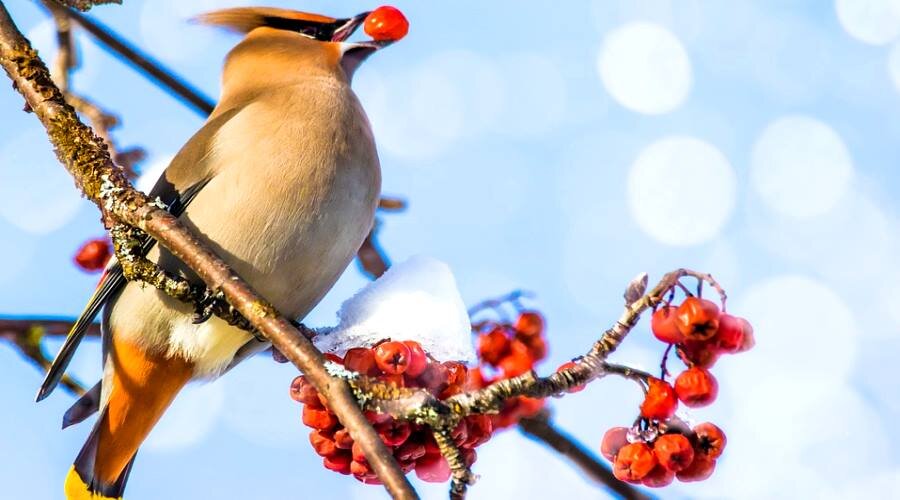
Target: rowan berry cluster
403 364
654 457
660 447
506 350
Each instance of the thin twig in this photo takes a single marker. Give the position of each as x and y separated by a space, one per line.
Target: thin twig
540 428
149 67
85 157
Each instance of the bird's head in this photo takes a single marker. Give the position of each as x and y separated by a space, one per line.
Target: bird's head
282 44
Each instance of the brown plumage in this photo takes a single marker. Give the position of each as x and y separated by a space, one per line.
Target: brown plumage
287 180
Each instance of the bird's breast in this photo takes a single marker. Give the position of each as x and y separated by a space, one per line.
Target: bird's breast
293 196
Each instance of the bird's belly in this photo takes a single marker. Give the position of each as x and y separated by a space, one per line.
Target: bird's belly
291 249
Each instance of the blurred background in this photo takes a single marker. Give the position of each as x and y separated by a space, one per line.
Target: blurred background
557 149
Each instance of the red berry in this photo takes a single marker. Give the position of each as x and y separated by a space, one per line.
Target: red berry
469 456
418 360
529 324
342 439
660 401
334 358
322 443
394 433
475 379
709 440
663 326
460 433
696 387
362 361
613 440
480 429
93 255
338 462
456 373
386 23
376 418
674 451
518 361
493 346
537 347
658 477
698 353
566 366
633 462
748 341
730 336
397 380
392 357
360 470
322 420
433 468
357 453
701 468
303 392
697 319
434 378
411 450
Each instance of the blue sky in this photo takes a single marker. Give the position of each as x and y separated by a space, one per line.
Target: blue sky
561 150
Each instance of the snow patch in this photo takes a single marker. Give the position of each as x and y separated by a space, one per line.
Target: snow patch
414 300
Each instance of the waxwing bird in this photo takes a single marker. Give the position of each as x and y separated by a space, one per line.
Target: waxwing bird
282 181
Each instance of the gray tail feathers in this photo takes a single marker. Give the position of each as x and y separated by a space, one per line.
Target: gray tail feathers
87 405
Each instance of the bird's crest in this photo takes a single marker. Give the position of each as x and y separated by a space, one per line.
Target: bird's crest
246 19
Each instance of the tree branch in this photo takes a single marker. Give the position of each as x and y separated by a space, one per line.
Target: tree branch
541 429
85 157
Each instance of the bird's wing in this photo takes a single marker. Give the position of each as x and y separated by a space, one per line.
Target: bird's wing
183 179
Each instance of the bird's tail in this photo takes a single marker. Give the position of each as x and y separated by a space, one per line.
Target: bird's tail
83 484
142 385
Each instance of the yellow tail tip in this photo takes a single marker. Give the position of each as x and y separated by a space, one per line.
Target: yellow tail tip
77 489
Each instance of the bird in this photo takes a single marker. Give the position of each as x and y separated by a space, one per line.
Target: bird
282 181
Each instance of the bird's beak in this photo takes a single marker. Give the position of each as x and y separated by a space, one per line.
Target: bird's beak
348 27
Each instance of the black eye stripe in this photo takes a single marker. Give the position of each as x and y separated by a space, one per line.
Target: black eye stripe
320 31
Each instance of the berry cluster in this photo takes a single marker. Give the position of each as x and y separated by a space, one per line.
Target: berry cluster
659 447
93 255
507 350
655 460
700 332
403 364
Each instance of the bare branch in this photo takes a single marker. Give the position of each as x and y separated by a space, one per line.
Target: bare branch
26 336
85 157
540 428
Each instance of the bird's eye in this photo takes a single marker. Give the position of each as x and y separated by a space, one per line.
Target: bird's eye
314 30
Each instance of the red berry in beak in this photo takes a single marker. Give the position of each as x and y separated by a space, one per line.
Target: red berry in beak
386 23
